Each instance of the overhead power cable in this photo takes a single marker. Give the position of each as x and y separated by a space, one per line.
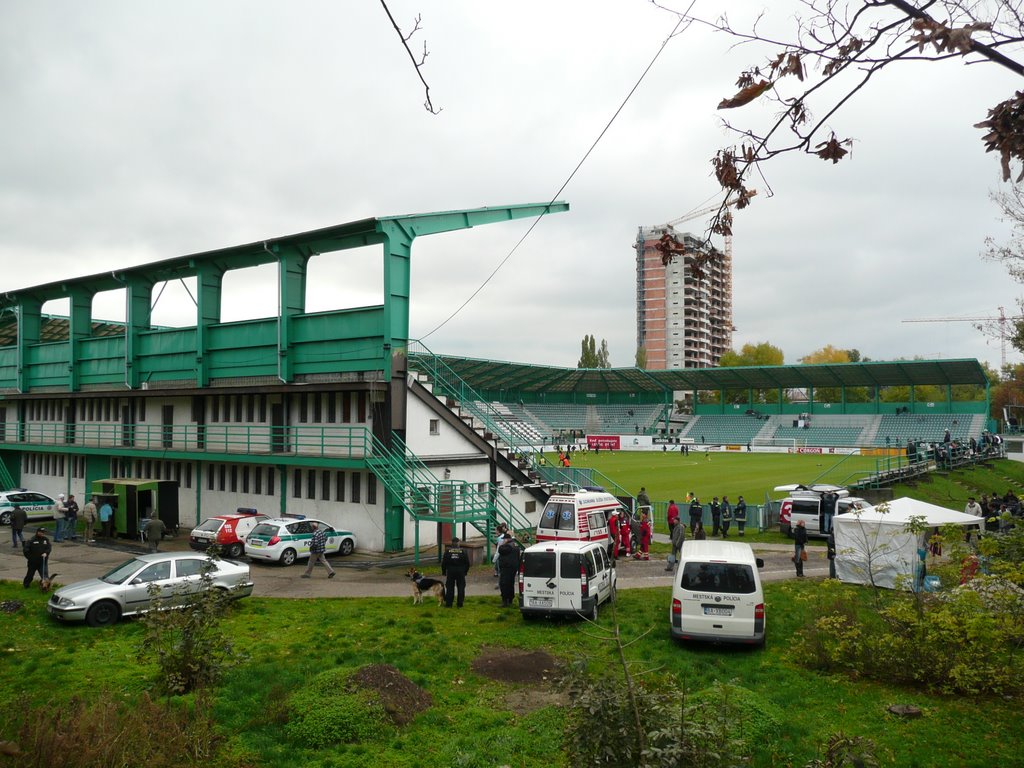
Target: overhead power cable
675 30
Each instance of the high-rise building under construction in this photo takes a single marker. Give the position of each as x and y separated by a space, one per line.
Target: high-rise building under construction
682 321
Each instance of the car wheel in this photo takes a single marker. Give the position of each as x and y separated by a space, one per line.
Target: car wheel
5 517
103 614
347 546
233 551
288 557
591 615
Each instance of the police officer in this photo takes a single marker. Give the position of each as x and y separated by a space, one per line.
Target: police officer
37 553
454 566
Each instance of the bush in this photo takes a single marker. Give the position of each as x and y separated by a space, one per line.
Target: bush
905 640
80 734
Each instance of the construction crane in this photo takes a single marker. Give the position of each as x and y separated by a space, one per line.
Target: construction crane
990 326
670 246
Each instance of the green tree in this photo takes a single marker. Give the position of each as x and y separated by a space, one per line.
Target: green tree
591 356
641 357
762 353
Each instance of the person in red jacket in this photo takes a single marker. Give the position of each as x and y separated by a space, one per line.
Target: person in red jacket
613 532
673 515
645 537
625 534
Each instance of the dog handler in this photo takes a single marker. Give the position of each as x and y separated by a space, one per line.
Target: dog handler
37 552
454 566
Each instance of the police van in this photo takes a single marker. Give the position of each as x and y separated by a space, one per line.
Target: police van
804 502
579 516
717 595
565 578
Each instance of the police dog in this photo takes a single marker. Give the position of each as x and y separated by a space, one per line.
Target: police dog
421 584
45 582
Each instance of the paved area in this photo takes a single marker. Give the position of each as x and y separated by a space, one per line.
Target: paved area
360 575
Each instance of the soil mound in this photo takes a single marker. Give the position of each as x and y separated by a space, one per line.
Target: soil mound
401 697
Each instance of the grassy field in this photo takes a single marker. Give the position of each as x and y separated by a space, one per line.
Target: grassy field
476 721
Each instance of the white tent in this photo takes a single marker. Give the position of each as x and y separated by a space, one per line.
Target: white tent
872 546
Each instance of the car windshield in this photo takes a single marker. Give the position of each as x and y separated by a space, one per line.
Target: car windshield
212 525
122 573
264 530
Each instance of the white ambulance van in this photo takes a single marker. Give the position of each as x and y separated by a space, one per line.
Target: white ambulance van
579 516
565 578
717 595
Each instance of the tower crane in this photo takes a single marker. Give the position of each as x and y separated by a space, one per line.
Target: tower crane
704 212
992 326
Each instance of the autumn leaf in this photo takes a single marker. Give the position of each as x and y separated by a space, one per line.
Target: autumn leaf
746 95
832 149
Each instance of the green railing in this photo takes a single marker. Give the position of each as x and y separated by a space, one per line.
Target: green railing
580 477
428 499
339 442
447 382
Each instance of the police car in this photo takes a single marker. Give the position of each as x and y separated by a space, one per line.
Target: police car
37 506
286 539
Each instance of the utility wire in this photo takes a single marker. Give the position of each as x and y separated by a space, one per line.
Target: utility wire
536 221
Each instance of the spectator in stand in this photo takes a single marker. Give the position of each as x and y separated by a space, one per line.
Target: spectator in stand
740 513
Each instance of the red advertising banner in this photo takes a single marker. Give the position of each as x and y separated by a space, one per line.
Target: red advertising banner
605 442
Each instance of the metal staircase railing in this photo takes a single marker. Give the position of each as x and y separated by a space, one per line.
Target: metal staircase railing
580 477
427 499
449 383
5 477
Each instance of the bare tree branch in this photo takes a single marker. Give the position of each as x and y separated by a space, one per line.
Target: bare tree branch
835 48
428 105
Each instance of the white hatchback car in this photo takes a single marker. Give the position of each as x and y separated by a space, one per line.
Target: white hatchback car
128 589
286 539
38 506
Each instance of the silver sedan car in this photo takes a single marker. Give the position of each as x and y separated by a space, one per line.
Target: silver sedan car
130 588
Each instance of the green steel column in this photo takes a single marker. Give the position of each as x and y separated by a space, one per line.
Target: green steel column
209 283
138 295
397 279
79 327
29 324
291 301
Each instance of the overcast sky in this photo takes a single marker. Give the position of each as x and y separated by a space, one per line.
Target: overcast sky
137 131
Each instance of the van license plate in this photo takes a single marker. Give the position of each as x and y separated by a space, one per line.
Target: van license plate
540 602
712 610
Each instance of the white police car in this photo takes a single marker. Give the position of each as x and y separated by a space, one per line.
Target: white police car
286 539
37 506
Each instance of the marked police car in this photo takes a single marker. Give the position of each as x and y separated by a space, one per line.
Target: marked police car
37 506
286 539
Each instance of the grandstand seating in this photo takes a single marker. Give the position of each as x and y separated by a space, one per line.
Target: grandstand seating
723 429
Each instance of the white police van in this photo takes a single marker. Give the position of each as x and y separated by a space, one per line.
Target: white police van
717 595
565 578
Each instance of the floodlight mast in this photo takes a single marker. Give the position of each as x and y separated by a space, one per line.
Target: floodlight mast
988 325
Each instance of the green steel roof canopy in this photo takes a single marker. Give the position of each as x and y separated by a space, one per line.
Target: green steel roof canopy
492 375
295 343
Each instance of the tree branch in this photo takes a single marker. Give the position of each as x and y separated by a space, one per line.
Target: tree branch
428 105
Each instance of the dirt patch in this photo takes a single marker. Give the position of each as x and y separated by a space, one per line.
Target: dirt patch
511 665
401 697
540 670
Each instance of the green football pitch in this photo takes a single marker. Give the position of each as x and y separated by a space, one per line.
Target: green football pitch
751 475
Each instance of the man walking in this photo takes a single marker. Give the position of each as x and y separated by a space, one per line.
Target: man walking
37 553
19 517
317 549
454 567
155 532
